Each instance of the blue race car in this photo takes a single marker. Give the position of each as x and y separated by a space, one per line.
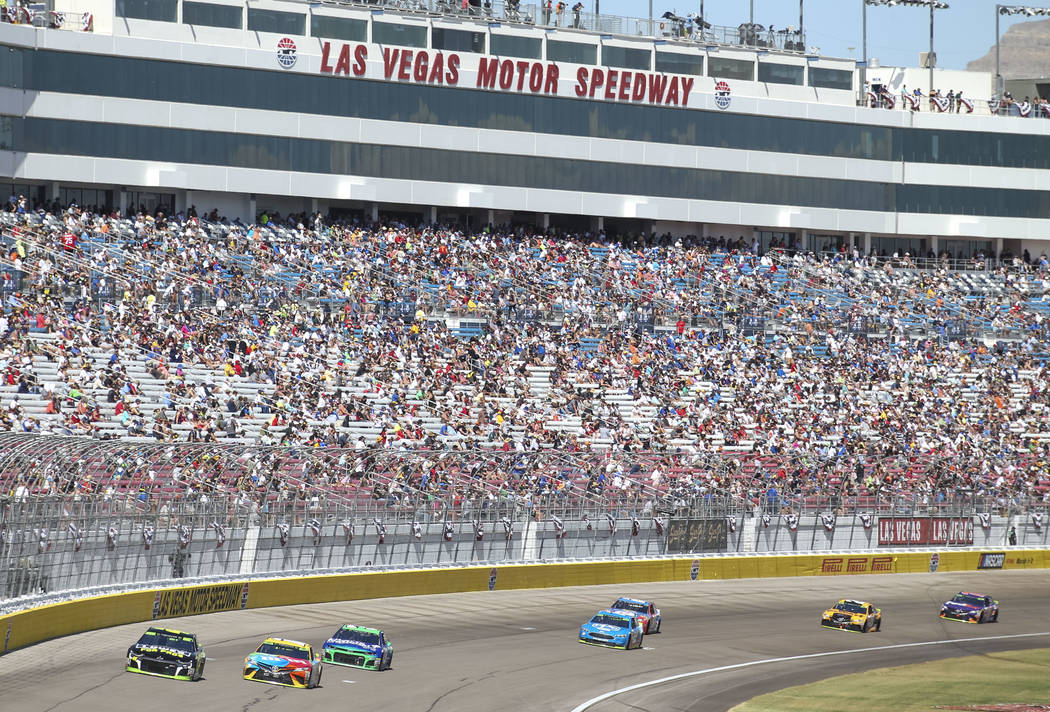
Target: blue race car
646 611
357 646
971 608
613 629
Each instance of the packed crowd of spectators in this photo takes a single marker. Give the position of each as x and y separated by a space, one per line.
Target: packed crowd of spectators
719 367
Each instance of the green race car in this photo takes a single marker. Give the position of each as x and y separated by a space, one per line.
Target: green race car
167 653
356 646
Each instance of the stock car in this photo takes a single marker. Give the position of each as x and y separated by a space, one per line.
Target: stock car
852 615
646 612
284 662
167 653
613 629
356 646
971 608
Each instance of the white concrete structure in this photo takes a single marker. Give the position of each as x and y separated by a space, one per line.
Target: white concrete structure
379 112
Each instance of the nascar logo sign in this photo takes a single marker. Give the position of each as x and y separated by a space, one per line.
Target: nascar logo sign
286 55
722 95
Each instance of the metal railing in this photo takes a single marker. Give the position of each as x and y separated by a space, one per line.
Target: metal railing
78 513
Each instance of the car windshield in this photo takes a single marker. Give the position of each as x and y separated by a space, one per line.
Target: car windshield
164 639
624 605
288 651
611 620
358 636
969 599
850 607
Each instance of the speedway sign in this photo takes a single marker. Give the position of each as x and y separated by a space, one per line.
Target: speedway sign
910 531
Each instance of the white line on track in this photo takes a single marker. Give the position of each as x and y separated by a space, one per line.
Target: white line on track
601 698
349 681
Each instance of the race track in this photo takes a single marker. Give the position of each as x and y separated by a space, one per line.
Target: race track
517 650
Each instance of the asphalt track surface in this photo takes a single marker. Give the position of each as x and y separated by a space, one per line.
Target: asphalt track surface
517 650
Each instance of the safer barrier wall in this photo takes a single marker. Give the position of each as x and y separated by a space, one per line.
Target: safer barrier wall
32 626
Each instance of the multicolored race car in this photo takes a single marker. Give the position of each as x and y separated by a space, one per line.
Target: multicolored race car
646 612
355 646
971 608
167 653
852 615
613 629
283 662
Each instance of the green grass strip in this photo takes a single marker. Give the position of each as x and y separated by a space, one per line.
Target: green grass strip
1019 676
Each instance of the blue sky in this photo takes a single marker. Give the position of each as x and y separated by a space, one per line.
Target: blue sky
896 35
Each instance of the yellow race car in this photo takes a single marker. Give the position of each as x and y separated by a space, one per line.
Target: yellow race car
284 662
857 616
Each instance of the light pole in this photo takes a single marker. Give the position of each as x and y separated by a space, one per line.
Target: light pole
932 4
1010 10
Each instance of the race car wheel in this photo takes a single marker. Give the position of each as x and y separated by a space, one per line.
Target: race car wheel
198 674
867 626
983 617
317 682
878 626
995 618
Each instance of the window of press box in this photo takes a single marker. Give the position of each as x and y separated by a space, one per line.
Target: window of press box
723 68
574 52
210 15
389 33
780 73
625 57
339 28
457 40
156 10
674 63
281 23
822 78
514 46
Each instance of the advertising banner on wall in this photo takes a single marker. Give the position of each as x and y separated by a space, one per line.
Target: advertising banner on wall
910 531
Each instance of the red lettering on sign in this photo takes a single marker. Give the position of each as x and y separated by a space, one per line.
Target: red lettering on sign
360 55
831 566
536 78
325 49
597 80
881 564
343 65
506 74
610 84
405 64
856 566
523 68
657 85
625 86
551 85
390 61
581 81
437 70
452 75
419 69
639 86
687 86
902 531
672 91
487 72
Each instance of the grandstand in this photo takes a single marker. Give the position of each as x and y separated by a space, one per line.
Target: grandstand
460 302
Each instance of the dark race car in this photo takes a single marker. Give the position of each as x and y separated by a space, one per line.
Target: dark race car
971 608
167 653
356 646
646 612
